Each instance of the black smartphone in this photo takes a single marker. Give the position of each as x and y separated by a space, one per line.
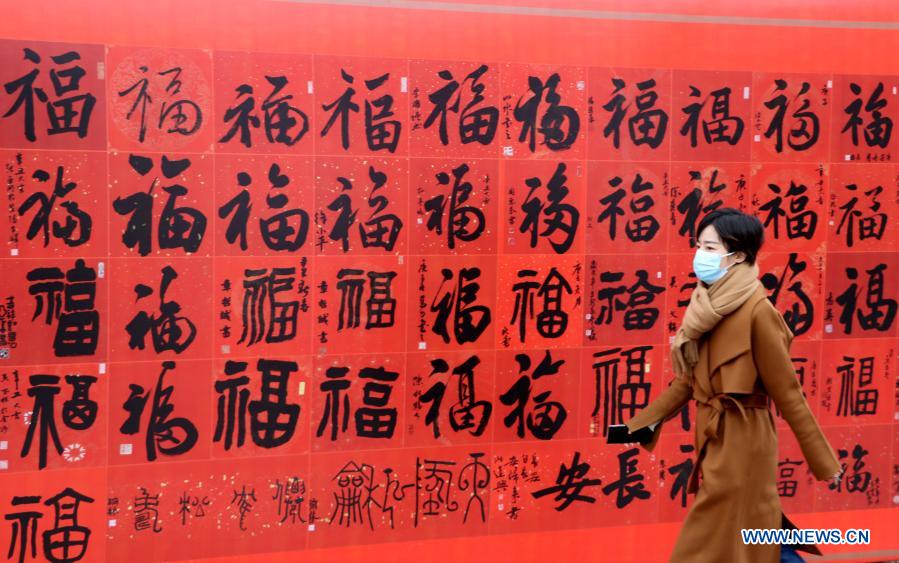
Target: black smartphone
619 434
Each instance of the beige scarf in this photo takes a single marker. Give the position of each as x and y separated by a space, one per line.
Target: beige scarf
708 305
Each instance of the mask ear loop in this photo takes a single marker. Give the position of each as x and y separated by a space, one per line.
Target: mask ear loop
728 254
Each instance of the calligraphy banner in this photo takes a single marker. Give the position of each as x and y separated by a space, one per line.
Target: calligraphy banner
257 302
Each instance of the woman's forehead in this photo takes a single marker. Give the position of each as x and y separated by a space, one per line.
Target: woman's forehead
709 236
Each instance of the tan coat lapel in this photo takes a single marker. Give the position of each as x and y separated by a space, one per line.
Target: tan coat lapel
733 335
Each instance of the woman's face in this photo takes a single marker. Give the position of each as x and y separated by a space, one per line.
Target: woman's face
709 241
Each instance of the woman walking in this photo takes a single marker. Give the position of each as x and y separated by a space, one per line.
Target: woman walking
731 353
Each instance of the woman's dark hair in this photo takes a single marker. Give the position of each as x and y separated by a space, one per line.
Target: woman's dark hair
738 231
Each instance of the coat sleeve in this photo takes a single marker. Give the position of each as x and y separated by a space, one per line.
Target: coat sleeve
771 339
668 403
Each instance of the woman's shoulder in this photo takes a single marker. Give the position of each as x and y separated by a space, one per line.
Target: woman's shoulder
766 316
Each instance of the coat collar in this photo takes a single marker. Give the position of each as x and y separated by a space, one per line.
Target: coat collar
733 334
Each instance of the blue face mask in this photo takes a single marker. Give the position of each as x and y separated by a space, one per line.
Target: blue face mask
707 266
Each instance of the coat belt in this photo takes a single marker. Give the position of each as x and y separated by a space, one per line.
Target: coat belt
718 403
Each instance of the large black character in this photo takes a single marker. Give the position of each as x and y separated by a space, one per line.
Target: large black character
559 125
858 397
380 132
642 228
682 472
879 129
290 496
867 224
79 412
185 115
77 227
806 126
801 222
802 311
630 485
616 398
694 203
380 307
284 124
69 114
475 125
168 331
376 419
469 321
640 314
787 481
856 481
244 501
66 542
285 231
69 299
546 417
467 413
648 124
557 216
380 230
273 420
346 215
146 512
552 319
179 227
721 128
463 222
165 435
264 316
570 484
881 309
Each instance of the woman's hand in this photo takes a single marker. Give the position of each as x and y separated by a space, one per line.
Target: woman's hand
835 480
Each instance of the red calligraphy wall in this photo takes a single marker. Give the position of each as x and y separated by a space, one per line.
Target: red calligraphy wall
282 278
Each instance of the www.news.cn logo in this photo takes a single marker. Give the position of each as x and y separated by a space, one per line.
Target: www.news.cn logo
806 536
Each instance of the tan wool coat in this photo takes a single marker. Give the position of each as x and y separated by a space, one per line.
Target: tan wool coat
743 361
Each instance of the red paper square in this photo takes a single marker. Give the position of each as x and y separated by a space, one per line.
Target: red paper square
791 116
70 189
625 300
160 99
698 188
80 97
460 388
351 88
629 114
628 207
361 206
370 395
186 388
36 312
453 206
191 290
263 307
264 100
713 116
80 426
452 302
543 207
360 298
278 203
460 100
539 303
856 99
195 208
858 382
791 202
543 111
